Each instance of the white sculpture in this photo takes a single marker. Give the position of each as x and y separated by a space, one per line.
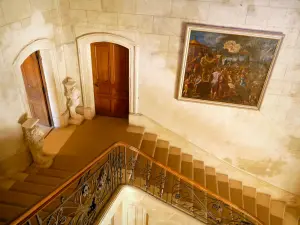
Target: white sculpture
73 100
34 137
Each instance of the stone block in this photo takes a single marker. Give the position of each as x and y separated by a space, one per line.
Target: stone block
155 42
279 71
30 123
153 7
293 73
72 67
293 18
86 5
121 31
168 26
72 17
282 17
278 87
2 20
291 37
227 14
139 22
295 90
285 3
42 4
52 16
81 30
66 35
102 18
197 10
257 2
15 10
258 15
287 55
176 44
121 6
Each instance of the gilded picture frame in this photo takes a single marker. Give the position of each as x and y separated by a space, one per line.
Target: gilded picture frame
227 66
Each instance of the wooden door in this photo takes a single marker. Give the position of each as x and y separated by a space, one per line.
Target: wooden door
111 79
36 89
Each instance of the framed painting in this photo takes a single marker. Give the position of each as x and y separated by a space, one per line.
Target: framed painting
227 66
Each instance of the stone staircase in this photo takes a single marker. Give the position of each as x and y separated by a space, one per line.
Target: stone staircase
35 183
269 211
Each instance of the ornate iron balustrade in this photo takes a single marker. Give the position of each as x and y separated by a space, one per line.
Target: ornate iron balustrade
81 199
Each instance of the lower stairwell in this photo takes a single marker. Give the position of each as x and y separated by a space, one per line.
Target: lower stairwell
76 189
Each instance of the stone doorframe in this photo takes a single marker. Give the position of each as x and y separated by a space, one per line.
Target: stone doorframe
86 74
53 82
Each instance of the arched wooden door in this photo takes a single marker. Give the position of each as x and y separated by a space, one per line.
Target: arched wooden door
111 79
36 89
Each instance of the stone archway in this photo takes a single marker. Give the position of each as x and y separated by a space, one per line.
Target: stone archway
86 74
53 81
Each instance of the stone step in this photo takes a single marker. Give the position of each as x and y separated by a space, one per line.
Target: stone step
174 162
187 166
263 202
277 211
161 155
291 216
211 179
69 163
223 185
55 173
236 192
9 212
148 147
18 199
199 172
134 136
148 144
199 177
249 198
45 180
32 188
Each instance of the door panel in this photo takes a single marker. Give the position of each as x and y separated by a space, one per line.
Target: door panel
101 69
35 89
111 79
120 72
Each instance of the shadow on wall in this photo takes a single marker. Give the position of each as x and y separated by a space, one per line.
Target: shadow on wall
14 155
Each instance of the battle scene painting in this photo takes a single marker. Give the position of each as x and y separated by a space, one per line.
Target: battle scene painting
226 66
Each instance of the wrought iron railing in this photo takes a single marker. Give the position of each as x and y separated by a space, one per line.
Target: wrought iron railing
81 198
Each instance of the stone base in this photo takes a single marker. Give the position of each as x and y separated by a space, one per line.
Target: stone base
76 121
86 112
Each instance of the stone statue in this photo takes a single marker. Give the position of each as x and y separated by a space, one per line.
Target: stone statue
34 137
73 101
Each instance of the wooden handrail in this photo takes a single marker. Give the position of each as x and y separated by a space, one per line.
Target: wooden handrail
47 200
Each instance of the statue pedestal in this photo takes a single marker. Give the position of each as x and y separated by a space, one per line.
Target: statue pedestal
76 121
34 138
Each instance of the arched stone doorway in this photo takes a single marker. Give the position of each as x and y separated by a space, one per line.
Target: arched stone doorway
86 69
110 64
55 90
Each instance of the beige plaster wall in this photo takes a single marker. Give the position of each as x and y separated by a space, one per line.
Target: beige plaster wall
265 143
21 23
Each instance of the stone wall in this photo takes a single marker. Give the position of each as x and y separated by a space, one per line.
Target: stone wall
265 143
